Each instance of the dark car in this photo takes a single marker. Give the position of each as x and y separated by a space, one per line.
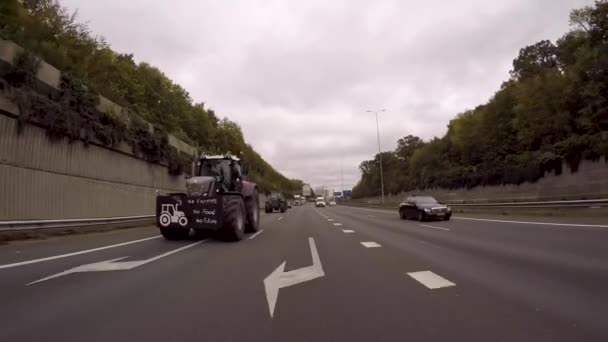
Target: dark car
424 208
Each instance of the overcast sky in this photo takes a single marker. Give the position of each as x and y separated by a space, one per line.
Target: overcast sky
298 76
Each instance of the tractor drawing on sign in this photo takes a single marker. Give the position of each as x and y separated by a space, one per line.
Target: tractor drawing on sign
169 214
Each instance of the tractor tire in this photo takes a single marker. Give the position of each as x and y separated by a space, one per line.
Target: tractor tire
252 206
164 220
182 221
402 215
283 209
233 228
174 234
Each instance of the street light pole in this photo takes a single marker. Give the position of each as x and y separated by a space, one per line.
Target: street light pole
379 150
342 177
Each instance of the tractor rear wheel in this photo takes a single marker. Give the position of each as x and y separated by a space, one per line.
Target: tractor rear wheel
252 205
233 228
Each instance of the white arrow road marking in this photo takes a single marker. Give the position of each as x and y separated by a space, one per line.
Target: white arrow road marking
279 279
112 265
255 234
75 253
371 244
431 280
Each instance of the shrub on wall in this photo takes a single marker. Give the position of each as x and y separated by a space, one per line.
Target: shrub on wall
72 112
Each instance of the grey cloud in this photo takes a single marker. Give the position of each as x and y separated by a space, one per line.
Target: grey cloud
299 75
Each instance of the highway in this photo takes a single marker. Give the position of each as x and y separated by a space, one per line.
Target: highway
316 274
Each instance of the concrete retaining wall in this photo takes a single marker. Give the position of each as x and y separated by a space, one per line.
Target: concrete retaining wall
591 181
40 179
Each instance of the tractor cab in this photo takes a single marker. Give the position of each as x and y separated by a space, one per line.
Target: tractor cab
218 173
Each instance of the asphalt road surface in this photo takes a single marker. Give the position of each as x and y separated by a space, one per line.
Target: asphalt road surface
327 274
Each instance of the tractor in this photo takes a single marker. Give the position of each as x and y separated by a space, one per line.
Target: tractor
218 200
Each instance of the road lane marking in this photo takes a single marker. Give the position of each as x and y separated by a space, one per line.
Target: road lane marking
370 244
429 226
536 223
348 231
330 219
76 253
381 211
337 224
280 218
279 278
255 234
431 280
113 264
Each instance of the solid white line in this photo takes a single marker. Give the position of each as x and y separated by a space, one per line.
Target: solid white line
348 231
337 224
536 223
280 218
430 279
75 253
426 225
371 244
255 234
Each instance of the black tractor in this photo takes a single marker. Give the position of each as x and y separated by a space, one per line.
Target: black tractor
276 201
218 201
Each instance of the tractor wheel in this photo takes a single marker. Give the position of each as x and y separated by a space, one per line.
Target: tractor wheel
252 205
234 218
182 221
164 220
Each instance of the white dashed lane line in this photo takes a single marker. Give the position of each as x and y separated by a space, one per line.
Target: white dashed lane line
330 219
371 244
337 224
431 280
348 231
434 227
280 218
255 234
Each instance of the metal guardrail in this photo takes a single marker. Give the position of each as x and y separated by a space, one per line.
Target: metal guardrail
544 204
12 226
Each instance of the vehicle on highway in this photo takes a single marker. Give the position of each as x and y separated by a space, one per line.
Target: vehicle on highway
424 208
320 202
332 203
217 200
276 201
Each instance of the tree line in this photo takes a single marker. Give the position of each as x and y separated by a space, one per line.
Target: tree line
553 110
50 31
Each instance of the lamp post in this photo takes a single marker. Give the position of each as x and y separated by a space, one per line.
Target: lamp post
379 150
